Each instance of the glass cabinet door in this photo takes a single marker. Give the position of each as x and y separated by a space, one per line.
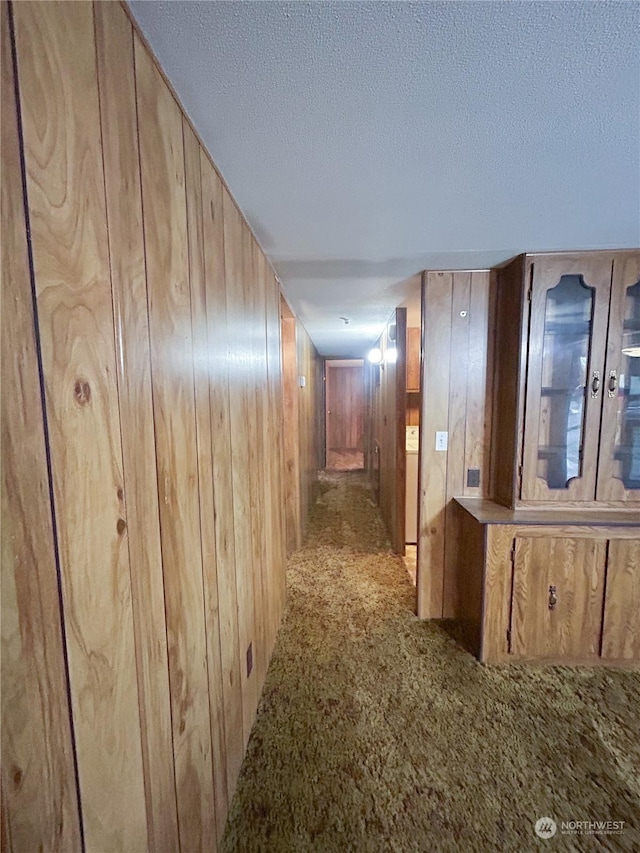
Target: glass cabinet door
569 307
619 472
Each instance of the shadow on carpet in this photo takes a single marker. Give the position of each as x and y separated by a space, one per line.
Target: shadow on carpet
378 732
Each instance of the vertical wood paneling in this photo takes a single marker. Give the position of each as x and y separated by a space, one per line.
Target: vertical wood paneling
276 506
239 372
160 330
455 455
39 797
218 344
205 467
291 428
251 293
436 322
385 407
398 538
309 419
511 308
58 82
264 462
165 230
457 392
114 37
479 384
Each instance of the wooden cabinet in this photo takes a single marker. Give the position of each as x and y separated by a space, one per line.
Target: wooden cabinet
559 587
567 405
621 628
556 603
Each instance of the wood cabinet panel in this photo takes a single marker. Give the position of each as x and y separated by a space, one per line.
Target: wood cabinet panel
65 186
561 318
619 453
621 630
544 429
591 558
114 36
39 795
165 230
571 626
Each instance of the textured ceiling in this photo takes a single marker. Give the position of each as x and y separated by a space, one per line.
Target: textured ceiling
366 141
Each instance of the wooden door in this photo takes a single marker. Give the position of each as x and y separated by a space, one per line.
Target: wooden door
558 588
345 410
621 629
565 382
619 459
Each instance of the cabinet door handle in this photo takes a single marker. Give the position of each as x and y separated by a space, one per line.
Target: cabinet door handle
595 384
612 383
553 598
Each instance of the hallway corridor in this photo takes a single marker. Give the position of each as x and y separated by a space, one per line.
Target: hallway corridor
377 732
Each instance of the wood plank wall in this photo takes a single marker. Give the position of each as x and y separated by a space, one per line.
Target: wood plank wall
143 547
457 389
303 414
385 413
310 420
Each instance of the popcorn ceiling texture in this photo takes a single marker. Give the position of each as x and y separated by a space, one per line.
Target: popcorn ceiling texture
367 141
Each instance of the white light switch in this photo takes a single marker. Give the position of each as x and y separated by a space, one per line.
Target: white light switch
442 440
302 380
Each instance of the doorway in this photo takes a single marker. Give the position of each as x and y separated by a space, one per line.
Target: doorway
344 414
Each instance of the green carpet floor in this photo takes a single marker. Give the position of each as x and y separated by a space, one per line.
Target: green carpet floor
377 732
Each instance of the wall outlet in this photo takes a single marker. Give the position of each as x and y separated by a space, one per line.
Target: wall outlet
442 440
302 380
473 478
249 659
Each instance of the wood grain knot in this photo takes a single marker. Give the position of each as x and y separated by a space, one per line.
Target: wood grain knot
120 494
121 526
16 775
82 392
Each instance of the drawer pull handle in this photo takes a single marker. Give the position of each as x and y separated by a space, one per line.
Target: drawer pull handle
612 384
595 384
553 598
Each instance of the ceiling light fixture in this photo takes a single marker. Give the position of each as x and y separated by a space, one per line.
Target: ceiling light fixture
374 355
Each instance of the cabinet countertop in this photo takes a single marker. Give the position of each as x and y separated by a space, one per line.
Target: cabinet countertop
489 512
